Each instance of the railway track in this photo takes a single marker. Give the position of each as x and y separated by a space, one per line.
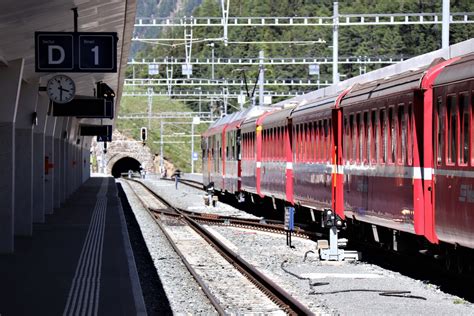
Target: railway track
223 281
267 225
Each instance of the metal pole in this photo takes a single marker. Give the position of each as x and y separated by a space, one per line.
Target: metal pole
192 147
161 146
150 103
445 29
212 64
261 78
335 43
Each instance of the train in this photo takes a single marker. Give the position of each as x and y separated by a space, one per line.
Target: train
392 156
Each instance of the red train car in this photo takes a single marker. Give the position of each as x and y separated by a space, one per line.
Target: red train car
452 145
395 153
221 151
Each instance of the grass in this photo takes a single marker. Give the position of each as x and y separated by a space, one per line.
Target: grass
173 130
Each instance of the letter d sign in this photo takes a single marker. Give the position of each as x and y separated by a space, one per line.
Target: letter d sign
54 51
51 55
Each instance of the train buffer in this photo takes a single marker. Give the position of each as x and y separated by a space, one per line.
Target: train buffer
332 251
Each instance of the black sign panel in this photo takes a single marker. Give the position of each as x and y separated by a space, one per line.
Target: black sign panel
97 52
54 52
76 51
85 108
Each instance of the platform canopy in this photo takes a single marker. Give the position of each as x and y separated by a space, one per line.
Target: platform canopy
20 19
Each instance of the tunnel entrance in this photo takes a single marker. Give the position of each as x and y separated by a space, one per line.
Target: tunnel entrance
125 164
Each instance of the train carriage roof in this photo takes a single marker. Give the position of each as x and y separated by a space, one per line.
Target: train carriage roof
458 49
235 119
277 118
406 81
457 71
314 109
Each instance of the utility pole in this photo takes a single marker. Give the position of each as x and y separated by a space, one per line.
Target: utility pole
161 147
445 28
335 44
192 146
150 103
261 78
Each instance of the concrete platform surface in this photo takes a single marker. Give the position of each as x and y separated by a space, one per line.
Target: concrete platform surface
79 262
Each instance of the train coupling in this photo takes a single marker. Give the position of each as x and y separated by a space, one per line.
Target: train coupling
333 251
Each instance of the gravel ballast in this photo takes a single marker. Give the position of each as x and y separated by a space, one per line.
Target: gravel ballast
344 288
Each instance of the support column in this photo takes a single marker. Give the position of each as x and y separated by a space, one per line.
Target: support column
64 165
10 81
38 160
59 136
25 120
86 159
49 165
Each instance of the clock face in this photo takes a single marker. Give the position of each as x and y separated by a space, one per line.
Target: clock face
61 89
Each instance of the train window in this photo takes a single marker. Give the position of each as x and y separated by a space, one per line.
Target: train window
346 139
402 129
275 143
373 137
272 144
464 115
352 138
365 147
383 127
358 138
452 129
293 142
303 142
360 130
282 143
297 143
441 130
330 140
324 140
300 141
392 135
320 140
410 128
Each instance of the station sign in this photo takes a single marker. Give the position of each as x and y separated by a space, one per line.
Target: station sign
96 130
76 51
104 138
314 69
85 107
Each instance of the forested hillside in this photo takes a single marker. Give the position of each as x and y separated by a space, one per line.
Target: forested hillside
370 41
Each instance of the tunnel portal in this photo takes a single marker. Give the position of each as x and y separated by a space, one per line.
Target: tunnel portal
125 164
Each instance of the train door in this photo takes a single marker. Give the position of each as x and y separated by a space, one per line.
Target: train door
238 155
337 163
454 196
288 148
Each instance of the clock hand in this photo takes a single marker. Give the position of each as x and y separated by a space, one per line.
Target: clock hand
65 90
60 93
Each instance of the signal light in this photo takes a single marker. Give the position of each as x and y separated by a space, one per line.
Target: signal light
104 91
144 134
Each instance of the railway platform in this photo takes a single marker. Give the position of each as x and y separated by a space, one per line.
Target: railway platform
79 261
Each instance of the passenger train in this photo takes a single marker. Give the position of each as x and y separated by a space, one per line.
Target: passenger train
392 156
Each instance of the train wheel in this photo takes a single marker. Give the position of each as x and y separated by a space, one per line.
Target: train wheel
449 260
460 265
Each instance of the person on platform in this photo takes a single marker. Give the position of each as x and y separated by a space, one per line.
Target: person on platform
177 176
